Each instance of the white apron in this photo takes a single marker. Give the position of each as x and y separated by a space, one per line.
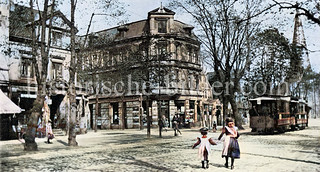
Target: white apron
205 144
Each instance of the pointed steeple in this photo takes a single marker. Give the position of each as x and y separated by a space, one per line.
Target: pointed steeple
299 38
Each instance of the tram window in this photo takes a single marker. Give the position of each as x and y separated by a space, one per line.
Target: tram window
282 107
264 110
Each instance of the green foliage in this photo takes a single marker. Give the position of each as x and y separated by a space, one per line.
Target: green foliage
276 60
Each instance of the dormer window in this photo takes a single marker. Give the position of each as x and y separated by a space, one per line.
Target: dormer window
188 29
162 25
122 30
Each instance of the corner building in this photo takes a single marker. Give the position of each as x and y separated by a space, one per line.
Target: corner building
154 60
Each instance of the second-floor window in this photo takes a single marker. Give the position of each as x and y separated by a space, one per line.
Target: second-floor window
57 70
57 39
162 48
27 68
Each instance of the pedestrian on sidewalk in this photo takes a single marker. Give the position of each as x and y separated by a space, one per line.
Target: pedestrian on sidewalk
164 123
49 132
204 149
230 146
176 122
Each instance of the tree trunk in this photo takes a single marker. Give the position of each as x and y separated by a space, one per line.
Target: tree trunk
72 91
224 104
41 73
30 143
73 114
97 113
148 118
236 115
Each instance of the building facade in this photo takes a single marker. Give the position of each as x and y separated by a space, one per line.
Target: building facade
149 65
18 64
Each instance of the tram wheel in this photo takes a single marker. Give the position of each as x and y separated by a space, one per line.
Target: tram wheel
270 131
293 127
280 130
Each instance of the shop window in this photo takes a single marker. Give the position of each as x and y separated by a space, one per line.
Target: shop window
115 107
104 110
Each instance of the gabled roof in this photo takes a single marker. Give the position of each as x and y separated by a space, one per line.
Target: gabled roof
62 16
20 19
161 11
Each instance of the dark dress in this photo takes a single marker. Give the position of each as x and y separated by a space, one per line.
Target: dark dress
233 147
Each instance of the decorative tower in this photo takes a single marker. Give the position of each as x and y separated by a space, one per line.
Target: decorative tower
300 41
299 64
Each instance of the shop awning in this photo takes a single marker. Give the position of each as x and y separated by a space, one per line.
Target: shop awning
7 106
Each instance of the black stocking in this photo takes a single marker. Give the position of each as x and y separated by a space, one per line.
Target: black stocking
232 161
226 164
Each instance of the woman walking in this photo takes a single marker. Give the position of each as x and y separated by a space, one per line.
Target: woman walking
230 146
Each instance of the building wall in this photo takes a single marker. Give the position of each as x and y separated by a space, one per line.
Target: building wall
21 79
186 89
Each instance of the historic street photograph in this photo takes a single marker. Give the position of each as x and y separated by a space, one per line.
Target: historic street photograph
160 85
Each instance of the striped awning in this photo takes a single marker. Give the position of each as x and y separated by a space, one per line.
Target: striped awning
7 106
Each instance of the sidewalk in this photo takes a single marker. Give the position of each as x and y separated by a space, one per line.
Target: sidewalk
14 148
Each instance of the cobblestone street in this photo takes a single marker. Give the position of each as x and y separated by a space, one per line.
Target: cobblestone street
130 150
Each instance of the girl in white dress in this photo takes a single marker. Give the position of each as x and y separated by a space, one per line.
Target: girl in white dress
204 148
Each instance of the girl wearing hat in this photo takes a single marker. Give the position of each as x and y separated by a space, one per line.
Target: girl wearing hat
204 149
230 145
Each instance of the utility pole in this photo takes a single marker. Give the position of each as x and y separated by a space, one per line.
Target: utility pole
159 99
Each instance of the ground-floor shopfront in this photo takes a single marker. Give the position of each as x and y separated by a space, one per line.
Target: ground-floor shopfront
131 111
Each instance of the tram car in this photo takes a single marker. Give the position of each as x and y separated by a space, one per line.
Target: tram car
300 111
277 113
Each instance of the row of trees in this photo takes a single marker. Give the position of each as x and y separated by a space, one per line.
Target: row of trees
40 45
235 47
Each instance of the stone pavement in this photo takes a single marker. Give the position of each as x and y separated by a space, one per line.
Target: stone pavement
131 150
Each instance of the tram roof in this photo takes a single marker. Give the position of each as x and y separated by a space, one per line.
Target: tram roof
299 101
262 98
302 101
270 98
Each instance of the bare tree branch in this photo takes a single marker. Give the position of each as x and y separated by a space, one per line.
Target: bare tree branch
297 6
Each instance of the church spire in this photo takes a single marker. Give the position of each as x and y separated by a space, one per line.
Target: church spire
299 38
